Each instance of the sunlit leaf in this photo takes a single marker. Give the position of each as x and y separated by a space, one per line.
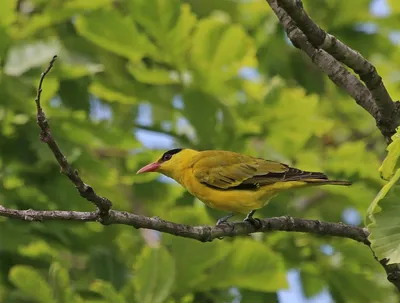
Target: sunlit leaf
383 224
61 285
119 34
389 165
107 291
19 58
154 275
31 283
250 265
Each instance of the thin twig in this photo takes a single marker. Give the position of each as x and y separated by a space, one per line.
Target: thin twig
86 191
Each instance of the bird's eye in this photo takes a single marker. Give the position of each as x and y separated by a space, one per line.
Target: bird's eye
167 157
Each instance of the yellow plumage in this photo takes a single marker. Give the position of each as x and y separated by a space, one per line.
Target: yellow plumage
230 181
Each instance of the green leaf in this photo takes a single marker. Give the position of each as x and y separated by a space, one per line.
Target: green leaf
250 265
53 13
193 261
342 160
256 296
118 35
31 283
7 11
394 6
383 223
107 291
169 23
154 275
152 75
60 283
19 58
353 286
201 111
290 113
156 16
219 50
389 165
38 249
178 39
311 281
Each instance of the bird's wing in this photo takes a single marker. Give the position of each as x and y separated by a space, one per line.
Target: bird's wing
226 170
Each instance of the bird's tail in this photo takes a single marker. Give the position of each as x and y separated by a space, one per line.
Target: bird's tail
308 177
314 178
327 182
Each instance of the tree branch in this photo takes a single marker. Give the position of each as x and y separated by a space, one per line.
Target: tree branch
202 233
86 191
327 52
345 54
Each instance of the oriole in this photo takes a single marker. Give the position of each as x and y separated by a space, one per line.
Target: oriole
231 181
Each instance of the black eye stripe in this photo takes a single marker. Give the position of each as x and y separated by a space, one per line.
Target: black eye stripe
168 154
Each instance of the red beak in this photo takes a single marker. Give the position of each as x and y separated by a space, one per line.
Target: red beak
149 168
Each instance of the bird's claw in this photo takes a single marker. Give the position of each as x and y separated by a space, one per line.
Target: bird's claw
223 222
253 221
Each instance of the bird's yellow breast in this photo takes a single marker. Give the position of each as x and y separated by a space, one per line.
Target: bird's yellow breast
236 201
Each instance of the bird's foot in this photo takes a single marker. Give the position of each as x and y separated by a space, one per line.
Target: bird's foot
224 220
253 221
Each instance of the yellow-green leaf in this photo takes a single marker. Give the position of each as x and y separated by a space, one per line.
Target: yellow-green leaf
31 284
383 221
250 265
107 291
113 32
154 275
389 165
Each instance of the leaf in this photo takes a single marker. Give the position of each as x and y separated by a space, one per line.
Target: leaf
154 275
19 58
394 6
201 111
299 115
53 13
353 286
118 35
152 75
389 165
156 16
107 291
383 222
38 249
178 39
250 265
60 283
7 11
112 269
193 261
218 52
311 281
31 283
342 160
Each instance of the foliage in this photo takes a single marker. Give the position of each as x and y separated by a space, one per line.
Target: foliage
203 74
384 210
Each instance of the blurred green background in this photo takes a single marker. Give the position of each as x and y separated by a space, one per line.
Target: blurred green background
136 77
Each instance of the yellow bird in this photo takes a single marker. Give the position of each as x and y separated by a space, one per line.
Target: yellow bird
233 182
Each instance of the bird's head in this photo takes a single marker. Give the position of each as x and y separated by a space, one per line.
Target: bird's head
170 163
